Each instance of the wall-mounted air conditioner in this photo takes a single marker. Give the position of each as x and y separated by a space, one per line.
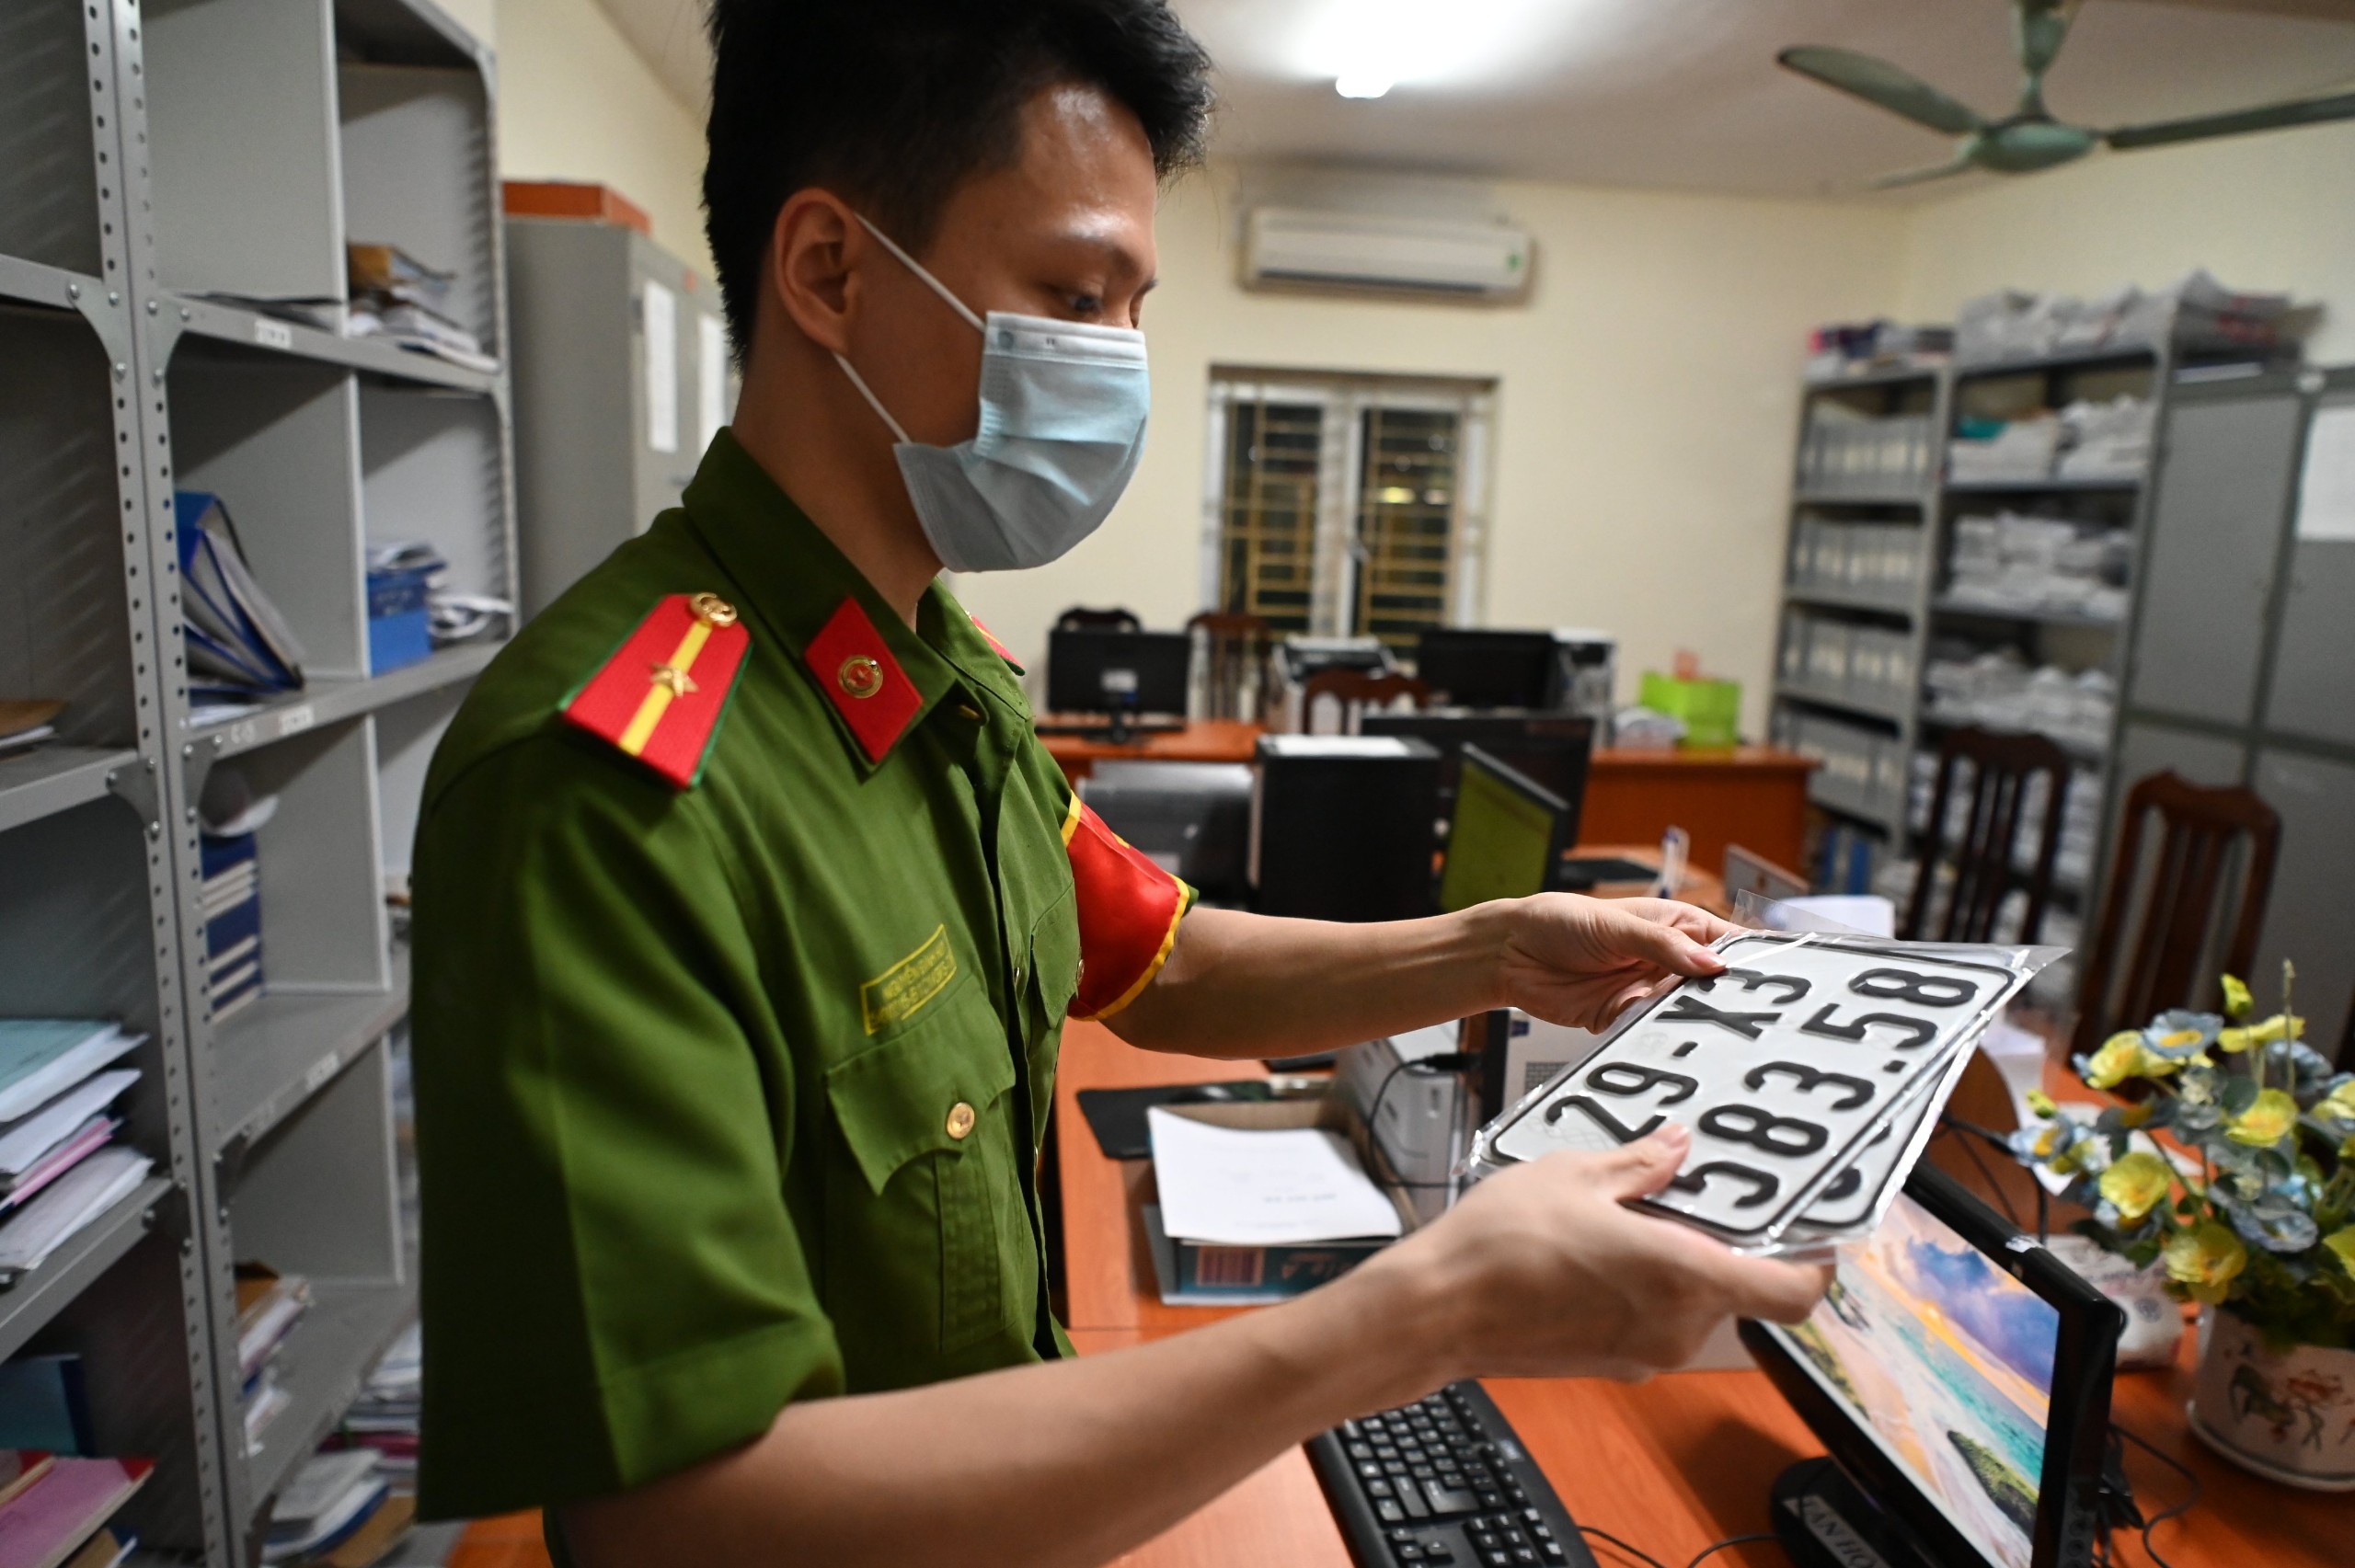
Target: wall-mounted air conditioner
1294 247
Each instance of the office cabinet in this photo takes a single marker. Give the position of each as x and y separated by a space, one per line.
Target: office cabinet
622 377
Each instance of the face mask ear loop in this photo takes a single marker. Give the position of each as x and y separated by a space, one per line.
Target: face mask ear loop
872 401
910 262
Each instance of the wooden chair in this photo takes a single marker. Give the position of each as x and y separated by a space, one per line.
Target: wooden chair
2174 924
1985 854
1079 618
1356 691
1233 652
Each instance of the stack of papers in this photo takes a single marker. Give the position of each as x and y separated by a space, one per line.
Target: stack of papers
384 1417
239 647
268 1306
57 1173
1232 1187
25 724
396 295
326 1504
57 1521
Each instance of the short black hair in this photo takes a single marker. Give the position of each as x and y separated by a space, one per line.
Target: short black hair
893 103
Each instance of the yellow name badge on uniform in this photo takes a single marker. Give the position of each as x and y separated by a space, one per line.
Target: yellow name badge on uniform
900 991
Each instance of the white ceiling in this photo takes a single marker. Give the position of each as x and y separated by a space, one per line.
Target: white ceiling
1683 93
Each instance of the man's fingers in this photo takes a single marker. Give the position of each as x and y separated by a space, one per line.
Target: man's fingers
1779 1292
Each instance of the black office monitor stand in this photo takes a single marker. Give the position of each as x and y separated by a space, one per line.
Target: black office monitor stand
1122 713
1824 1520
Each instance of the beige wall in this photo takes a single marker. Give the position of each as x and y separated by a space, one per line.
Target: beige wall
576 102
2273 212
1646 408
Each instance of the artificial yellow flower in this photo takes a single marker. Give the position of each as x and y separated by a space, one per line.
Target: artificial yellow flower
2339 1105
2204 1258
2042 1103
2342 1241
2281 1026
2120 1058
2237 1001
2268 1117
2136 1183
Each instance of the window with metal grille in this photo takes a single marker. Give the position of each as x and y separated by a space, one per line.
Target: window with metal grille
1344 505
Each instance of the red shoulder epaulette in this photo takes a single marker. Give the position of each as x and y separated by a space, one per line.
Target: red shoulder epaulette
989 638
660 697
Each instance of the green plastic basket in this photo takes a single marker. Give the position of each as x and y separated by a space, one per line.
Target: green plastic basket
1711 709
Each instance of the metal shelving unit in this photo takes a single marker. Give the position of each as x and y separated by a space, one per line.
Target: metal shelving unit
170 170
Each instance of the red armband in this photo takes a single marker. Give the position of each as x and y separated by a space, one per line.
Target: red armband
1129 911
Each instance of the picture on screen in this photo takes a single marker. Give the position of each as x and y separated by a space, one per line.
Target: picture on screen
1948 1362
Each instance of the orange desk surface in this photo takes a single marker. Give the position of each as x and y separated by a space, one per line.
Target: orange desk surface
1751 795
1670 1465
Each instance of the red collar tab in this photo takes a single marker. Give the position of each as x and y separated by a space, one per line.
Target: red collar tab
854 670
662 696
992 640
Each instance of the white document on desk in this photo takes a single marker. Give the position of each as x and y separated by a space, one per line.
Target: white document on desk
1236 1188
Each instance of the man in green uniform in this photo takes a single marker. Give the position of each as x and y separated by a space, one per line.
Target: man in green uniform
748 907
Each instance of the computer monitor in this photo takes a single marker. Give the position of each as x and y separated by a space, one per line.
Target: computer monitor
1505 836
1097 670
1554 751
1959 1375
1489 668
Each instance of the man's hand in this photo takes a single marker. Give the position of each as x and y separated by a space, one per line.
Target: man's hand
1579 961
1544 1271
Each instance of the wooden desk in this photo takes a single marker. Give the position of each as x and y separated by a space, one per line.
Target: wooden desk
1670 1465
1202 740
1751 796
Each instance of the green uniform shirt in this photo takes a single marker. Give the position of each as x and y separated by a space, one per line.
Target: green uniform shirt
733 1095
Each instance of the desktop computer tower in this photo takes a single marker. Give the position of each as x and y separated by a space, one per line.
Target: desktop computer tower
1341 827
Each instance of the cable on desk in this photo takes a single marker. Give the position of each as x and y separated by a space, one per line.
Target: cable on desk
1636 1552
1711 1551
2179 1510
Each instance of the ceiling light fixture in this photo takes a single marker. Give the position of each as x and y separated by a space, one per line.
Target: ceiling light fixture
1366 48
1362 84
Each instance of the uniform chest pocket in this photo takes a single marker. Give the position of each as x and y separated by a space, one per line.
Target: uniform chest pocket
923 1236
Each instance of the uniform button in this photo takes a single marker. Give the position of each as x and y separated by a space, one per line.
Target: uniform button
961 1120
712 610
860 676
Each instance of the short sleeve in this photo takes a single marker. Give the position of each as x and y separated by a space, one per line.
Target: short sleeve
1129 909
613 1287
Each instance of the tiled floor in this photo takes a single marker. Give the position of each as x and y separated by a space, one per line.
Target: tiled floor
511 1540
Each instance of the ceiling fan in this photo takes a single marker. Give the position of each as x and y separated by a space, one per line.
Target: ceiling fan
2028 138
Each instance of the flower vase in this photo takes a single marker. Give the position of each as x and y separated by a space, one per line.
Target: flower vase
2287 1415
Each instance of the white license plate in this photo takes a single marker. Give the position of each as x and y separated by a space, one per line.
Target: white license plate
1786 1067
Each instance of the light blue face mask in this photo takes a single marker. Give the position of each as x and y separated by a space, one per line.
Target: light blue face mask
1063 408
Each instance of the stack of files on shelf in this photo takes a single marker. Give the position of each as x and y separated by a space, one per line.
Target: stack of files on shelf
2195 314
1879 561
58 1519
26 724
1996 690
239 647
1991 451
268 1306
330 1501
395 296
384 1419
231 899
1844 452
1860 771
57 1172
1871 667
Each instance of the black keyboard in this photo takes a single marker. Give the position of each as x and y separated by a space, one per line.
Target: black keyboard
1443 1480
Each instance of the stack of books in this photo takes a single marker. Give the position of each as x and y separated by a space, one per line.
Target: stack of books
58 1170
54 1509
268 1306
383 1418
231 899
334 1511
